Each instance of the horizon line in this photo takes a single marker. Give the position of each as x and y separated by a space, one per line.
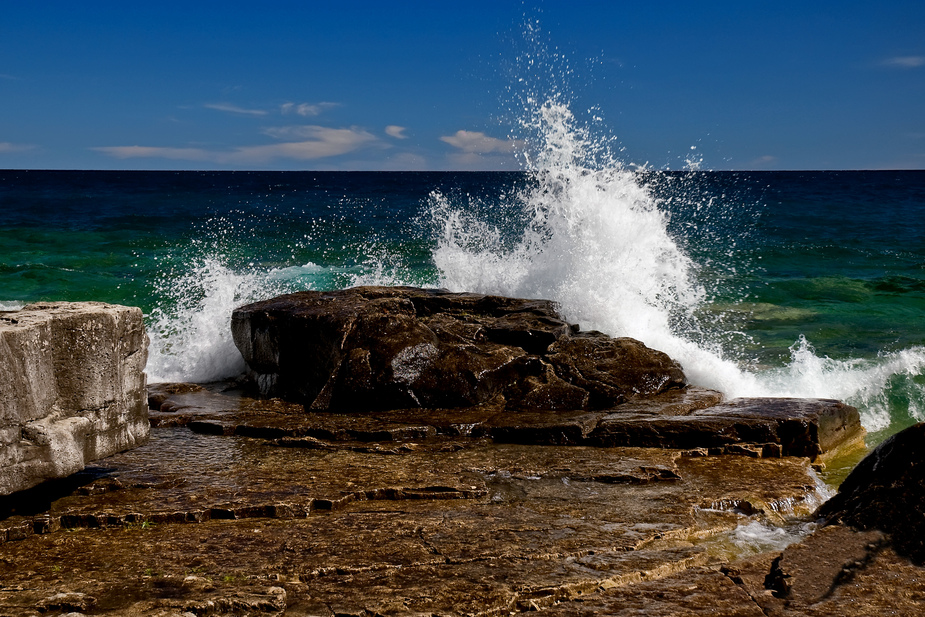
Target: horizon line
437 171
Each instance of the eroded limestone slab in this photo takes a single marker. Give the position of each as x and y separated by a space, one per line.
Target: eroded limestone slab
72 388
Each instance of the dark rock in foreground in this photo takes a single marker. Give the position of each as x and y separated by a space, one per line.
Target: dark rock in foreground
402 347
72 388
835 572
886 492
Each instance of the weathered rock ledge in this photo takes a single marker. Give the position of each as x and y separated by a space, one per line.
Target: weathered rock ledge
691 418
225 525
364 522
72 388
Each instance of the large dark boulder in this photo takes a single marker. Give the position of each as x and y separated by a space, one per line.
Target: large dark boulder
370 348
886 491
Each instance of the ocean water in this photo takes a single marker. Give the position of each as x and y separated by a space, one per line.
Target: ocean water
759 283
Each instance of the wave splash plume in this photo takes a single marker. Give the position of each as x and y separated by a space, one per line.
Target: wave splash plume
595 241
592 236
190 329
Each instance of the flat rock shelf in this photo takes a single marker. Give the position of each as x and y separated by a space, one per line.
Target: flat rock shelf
242 505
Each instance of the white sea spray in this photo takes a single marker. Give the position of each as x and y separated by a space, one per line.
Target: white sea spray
597 242
190 329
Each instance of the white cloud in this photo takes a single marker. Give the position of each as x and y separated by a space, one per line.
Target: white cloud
763 161
134 152
306 109
314 142
319 142
476 142
234 109
6 147
905 62
398 132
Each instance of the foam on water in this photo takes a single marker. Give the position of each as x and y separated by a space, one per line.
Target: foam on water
876 386
755 537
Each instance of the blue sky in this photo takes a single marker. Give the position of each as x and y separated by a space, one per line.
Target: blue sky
435 85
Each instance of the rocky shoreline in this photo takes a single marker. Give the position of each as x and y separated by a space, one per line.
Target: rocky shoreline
660 498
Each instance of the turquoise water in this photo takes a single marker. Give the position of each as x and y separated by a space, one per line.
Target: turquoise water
760 283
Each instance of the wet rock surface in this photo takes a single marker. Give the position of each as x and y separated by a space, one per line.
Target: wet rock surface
836 571
450 454
72 388
245 506
464 528
401 347
689 418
